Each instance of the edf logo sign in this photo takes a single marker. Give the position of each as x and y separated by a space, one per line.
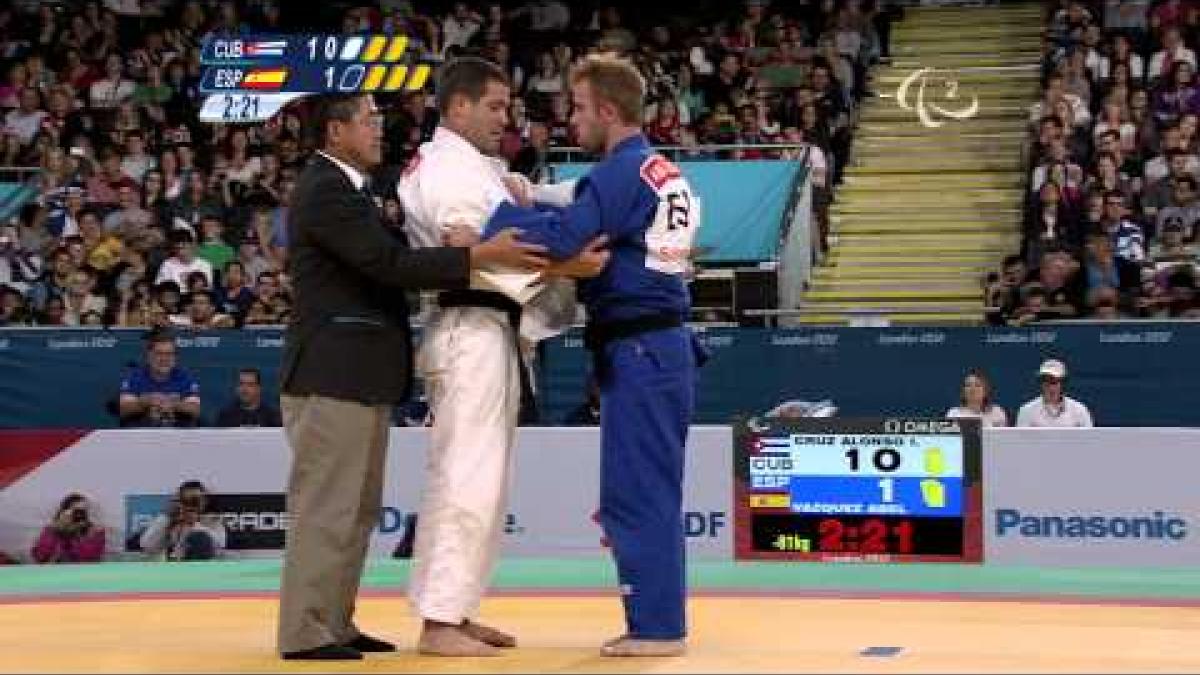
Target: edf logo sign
703 524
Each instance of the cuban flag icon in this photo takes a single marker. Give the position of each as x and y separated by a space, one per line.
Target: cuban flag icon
267 48
773 446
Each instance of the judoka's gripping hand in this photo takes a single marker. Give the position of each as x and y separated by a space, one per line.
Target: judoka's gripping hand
520 188
506 250
590 262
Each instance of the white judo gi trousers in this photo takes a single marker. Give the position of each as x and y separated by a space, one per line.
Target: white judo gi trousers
470 370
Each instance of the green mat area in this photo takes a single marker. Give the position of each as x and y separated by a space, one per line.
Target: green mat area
554 574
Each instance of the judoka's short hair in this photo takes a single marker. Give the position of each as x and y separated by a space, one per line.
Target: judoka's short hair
615 81
467 76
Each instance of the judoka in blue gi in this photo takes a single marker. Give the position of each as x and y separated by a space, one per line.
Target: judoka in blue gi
645 357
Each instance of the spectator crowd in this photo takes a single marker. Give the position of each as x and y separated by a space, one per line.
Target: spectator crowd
1112 206
145 217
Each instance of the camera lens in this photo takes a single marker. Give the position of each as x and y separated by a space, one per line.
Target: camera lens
79 516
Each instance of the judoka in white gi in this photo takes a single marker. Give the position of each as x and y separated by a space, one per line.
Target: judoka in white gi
469 357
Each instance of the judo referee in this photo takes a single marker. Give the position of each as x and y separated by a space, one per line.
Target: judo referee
471 358
645 357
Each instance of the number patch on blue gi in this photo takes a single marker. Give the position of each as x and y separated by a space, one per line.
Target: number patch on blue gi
671 235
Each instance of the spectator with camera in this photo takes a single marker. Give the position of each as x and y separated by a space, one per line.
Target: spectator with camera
186 530
72 536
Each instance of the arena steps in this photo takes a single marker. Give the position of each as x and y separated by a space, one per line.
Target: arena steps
926 208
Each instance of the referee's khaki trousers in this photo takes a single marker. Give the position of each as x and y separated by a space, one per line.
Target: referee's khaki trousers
335 491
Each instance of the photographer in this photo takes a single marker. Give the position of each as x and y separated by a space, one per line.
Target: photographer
186 531
71 537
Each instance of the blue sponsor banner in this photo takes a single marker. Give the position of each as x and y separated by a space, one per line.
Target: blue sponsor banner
1128 374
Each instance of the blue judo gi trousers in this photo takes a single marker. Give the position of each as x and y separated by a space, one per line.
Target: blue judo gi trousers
647 394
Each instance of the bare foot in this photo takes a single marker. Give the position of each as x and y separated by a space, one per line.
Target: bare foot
488 635
440 639
630 646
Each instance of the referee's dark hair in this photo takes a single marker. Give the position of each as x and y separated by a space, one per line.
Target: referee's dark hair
467 76
327 108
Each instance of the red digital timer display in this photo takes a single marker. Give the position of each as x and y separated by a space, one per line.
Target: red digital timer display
802 492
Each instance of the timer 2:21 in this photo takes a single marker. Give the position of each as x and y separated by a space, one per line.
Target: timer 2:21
249 108
871 537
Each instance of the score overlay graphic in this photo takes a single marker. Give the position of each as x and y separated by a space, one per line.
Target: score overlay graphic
862 490
250 78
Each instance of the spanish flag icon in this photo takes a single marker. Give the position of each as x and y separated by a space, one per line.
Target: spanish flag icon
265 78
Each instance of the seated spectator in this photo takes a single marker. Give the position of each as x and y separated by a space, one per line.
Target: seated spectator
114 88
248 409
186 531
53 313
213 247
102 249
1055 92
976 401
1052 408
1177 93
81 299
112 187
1103 304
1127 239
1031 306
1059 168
1170 140
259 314
55 280
1172 250
1102 269
250 255
1112 117
72 536
1107 177
1159 193
1173 51
13 311
159 393
664 128
1182 210
1075 76
1060 283
1050 225
233 295
1181 292
183 261
136 162
202 312
26 120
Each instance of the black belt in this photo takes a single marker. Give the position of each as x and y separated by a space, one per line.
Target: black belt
499 301
598 334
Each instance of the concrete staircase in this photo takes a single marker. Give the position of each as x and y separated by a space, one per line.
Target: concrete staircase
923 212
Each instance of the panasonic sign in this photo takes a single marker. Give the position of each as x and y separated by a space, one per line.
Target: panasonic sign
1156 525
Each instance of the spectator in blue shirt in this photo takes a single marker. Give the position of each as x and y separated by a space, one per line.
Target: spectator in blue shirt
159 393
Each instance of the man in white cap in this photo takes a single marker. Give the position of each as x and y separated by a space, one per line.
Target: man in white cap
1052 408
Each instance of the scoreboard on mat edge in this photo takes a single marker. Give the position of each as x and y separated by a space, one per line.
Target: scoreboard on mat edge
858 490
